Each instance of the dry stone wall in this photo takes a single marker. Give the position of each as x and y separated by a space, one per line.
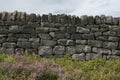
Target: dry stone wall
84 37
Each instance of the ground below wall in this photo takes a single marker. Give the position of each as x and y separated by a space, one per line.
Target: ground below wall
84 37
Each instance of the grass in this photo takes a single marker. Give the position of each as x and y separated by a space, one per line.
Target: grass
98 69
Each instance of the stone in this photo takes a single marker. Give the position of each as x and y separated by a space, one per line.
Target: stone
60 36
22 39
9 45
83 48
62 41
32 17
44 51
102 38
109 20
82 42
110 45
82 30
8 50
35 44
48 42
94 29
78 56
2 39
109 33
95 43
76 36
97 20
51 29
115 21
113 39
23 16
13 16
31 51
52 34
15 29
70 43
102 19
4 31
34 39
44 18
42 30
98 34
90 56
101 51
116 52
71 29
4 16
59 50
84 20
45 36
23 35
24 44
88 36
45 24
71 50
19 51
90 20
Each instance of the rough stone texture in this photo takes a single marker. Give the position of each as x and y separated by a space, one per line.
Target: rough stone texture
83 48
84 37
59 50
44 51
78 56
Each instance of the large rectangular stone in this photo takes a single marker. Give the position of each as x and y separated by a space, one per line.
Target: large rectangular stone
48 42
88 36
83 48
9 45
110 45
95 43
76 36
24 44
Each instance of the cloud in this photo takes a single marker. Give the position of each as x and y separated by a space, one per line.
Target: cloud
73 7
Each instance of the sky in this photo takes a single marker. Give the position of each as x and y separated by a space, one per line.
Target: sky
72 7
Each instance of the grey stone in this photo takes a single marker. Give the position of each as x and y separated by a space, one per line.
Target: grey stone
31 51
9 45
110 45
59 50
52 34
116 52
83 48
32 17
82 42
19 51
70 43
2 39
24 44
45 36
23 16
13 16
109 33
98 34
94 29
102 38
90 56
22 39
78 56
71 29
62 41
44 50
35 44
34 40
114 39
8 50
90 20
11 39
82 30
45 24
4 16
102 19
88 36
84 20
95 43
101 51
76 36
4 31
109 20
70 50
48 42
97 20
115 21
53 29
44 18
42 30
23 36
15 29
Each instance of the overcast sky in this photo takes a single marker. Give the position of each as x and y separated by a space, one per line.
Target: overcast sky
73 7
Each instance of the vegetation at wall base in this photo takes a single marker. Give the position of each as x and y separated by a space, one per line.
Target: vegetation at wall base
32 67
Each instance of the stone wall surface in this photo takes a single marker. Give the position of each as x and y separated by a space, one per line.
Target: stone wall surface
84 37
